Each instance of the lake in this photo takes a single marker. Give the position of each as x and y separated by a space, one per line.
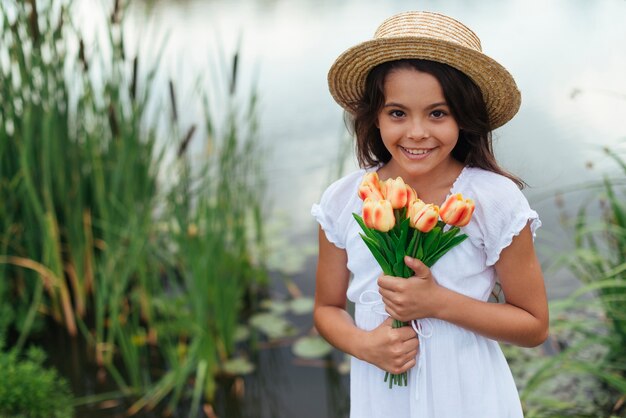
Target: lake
568 58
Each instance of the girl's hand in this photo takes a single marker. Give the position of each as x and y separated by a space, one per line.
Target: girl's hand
392 350
413 298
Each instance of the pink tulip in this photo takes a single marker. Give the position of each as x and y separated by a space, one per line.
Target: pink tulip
425 218
378 214
457 211
371 187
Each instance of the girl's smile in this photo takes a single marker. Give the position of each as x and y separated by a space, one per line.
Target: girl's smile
417 128
415 152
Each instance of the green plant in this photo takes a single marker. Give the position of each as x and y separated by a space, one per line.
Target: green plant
90 237
79 179
216 232
590 325
28 390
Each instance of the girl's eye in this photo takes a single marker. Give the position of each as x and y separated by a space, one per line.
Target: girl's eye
438 114
396 113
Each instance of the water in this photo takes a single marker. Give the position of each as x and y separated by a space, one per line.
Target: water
566 55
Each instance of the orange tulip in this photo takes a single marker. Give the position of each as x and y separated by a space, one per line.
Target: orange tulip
395 192
457 211
371 187
378 214
414 207
411 196
425 218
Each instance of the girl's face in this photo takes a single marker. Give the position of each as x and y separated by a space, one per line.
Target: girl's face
416 125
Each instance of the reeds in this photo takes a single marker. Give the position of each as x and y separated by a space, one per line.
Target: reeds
91 238
590 325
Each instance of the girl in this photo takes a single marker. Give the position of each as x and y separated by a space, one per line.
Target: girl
424 99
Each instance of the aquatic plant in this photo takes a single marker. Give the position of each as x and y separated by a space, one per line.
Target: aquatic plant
29 390
588 374
153 274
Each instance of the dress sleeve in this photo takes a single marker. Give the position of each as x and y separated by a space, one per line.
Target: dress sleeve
501 214
329 211
327 224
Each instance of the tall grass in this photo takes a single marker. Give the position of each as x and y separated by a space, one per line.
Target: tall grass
215 221
588 375
82 240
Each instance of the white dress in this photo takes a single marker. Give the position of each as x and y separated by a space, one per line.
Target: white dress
459 373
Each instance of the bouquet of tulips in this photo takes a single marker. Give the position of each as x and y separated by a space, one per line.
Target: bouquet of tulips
397 223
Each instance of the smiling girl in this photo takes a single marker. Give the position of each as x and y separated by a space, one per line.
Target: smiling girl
424 99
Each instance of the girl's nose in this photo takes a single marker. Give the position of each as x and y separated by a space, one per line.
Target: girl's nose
417 130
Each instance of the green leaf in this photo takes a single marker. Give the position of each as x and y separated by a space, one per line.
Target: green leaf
311 347
272 325
379 244
401 245
441 251
375 250
302 305
366 230
431 241
386 245
393 234
414 236
242 333
238 366
399 269
420 252
392 237
276 306
618 211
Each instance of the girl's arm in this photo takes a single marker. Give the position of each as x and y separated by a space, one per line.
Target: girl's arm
522 319
392 350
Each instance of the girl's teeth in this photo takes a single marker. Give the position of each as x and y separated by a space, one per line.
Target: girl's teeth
416 151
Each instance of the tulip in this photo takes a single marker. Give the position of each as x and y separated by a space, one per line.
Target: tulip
425 218
411 196
378 215
457 211
395 192
371 187
414 207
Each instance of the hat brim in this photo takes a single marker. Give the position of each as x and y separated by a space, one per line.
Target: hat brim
346 77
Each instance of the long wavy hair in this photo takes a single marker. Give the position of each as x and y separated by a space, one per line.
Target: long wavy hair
474 147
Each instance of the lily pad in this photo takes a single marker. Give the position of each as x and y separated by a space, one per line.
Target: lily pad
238 366
275 306
311 347
272 325
242 333
302 305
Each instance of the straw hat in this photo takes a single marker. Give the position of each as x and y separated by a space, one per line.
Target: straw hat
429 36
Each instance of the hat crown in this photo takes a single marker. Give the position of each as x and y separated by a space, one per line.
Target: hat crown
428 25
425 36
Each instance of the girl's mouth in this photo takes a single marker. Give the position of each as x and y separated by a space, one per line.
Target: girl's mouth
416 152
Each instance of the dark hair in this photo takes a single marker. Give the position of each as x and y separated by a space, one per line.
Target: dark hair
474 146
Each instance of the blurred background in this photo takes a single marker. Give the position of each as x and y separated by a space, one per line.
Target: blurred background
159 161
566 57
